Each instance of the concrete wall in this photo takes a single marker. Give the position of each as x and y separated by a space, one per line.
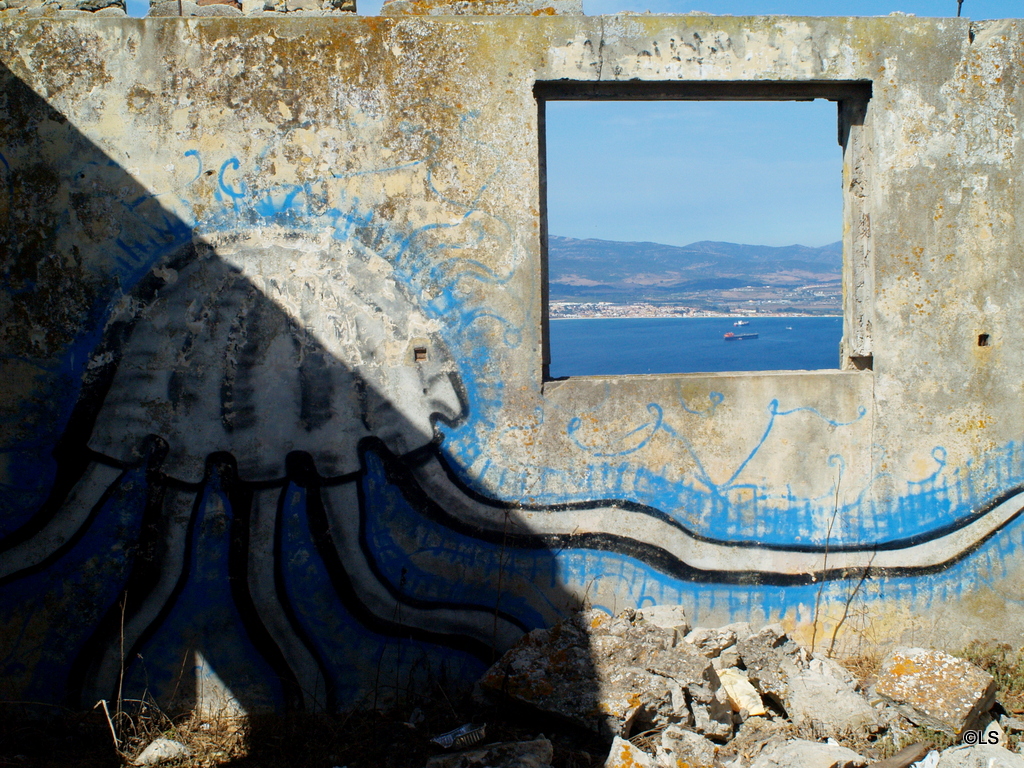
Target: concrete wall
273 412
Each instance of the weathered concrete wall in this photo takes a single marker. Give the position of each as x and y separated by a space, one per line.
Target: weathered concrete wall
273 404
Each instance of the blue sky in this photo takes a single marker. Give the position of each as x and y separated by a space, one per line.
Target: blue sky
676 172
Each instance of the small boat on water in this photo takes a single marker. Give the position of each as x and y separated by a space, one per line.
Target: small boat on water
742 322
730 336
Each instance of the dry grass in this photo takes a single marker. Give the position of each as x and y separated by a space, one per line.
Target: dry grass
387 739
356 740
1005 665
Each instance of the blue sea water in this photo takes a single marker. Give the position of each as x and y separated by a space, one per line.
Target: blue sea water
606 347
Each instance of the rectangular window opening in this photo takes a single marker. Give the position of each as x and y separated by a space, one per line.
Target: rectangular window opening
699 227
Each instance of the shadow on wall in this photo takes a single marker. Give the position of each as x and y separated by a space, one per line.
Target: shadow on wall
211 461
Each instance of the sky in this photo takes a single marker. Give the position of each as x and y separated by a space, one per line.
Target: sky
677 172
765 173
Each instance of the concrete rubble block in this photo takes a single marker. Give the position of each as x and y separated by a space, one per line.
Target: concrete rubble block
742 695
607 674
302 5
217 10
171 8
769 657
979 756
711 642
798 753
824 695
510 754
668 617
625 755
688 667
935 689
96 5
482 8
681 748
162 751
904 758
713 719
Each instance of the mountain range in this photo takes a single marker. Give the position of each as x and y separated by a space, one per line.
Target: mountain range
604 270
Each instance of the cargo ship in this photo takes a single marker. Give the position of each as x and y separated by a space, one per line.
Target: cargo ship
730 336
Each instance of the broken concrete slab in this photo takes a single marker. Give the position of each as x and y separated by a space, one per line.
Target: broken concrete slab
979 756
713 719
769 658
742 695
813 690
680 747
162 751
669 617
904 758
828 701
711 642
936 690
510 754
808 754
625 755
603 673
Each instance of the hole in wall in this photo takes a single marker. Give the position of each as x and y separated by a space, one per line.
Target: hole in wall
673 221
982 339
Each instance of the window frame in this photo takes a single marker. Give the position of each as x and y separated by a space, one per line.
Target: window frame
852 98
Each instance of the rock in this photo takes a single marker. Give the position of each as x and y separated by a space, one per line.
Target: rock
730 657
768 657
935 689
797 753
669 617
711 642
171 8
95 5
606 674
823 696
813 690
510 754
742 695
161 751
905 757
625 755
681 748
1011 724
302 5
994 735
713 719
980 756
217 10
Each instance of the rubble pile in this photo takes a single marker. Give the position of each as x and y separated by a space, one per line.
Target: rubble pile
666 695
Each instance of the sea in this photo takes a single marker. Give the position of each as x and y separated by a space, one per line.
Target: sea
622 346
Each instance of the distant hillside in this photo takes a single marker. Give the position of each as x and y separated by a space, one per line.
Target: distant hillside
604 270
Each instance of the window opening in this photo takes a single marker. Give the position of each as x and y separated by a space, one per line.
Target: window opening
676 223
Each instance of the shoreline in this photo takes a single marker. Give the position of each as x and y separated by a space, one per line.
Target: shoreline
689 317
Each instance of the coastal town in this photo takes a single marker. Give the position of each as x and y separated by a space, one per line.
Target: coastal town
767 301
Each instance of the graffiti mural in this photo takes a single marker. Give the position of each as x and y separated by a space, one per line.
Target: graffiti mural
278 460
